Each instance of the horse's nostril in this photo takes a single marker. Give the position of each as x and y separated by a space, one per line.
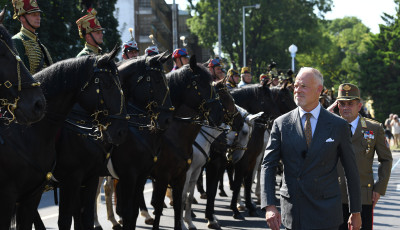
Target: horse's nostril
39 106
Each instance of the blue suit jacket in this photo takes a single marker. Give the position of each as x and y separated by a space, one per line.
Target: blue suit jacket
310 193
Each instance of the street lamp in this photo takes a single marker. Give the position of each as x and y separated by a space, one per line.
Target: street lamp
184 42
293 50
257 6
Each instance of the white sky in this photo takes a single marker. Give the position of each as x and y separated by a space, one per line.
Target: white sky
369 11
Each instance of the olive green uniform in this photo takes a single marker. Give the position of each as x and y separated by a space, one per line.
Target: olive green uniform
368 138
31 51
89 50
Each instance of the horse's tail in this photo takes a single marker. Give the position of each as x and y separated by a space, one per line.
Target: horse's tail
13 224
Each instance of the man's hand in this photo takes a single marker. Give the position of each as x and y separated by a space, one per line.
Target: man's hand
273 217
332 107
375 198
354 222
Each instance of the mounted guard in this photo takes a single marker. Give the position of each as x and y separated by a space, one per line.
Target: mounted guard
90 29
33 53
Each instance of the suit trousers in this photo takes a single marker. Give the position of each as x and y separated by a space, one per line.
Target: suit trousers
366 217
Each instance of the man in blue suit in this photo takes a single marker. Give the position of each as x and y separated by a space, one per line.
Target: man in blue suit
309 141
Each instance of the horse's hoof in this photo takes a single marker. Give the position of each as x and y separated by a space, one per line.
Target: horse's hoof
213 225
98 228
117 227
254 213
149 221
241 207
192 228
238 216
203 196
192 214
171 203
194 201
222 193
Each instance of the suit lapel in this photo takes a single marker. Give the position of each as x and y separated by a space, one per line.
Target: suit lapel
300 140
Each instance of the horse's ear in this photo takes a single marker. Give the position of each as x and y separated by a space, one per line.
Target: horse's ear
193 62
163 57
113 53
2 14
284 85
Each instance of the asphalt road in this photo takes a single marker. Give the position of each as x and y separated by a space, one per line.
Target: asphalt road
386 216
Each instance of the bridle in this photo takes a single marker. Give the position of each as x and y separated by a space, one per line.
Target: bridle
101 117
228 116
9 85
204 107
153 109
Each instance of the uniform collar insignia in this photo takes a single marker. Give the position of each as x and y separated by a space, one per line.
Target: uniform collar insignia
28 33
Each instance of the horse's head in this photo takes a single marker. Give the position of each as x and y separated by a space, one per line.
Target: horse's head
21 98
191 86
231 114
325 99
283 98
147 89
104 88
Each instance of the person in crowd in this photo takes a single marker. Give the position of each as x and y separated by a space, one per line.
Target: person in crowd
215 68
246 77
368 138
130 48
32 52
180 58
395 125
90 30
233 79
309 141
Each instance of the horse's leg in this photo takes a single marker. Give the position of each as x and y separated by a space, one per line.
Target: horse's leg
248 181
142 204
230 168
7 210
189 194
97 200
126 199
237 182
69 201
157 199
258 184
212 185
37 221
168 194
89 204
177 195
26 210
108 193
200 187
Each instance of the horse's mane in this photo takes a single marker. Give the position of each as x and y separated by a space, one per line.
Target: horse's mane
6 37
182 74
248 91
55 77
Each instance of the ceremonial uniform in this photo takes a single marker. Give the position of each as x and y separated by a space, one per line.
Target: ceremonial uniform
367 139
86 25
89 50
231 84
33 53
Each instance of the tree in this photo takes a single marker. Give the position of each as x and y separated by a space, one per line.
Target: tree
380 68
270 30
343 40
58 30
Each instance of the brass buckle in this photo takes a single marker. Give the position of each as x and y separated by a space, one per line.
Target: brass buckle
8 84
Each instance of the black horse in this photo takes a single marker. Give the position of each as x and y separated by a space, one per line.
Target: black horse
21 98
81 159
253 98
193 96
28 153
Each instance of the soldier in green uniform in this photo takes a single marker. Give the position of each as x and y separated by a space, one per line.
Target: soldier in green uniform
233 79
368 138
32 52
90 29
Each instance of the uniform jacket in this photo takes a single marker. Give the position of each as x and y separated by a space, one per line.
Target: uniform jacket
30 52
89 50
310 192
368 139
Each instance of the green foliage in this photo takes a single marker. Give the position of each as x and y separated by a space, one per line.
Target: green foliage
380 68
270 30
58 30
343 40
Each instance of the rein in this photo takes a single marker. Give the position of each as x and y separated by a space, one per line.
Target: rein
11 106
228 116
101 115
152 108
